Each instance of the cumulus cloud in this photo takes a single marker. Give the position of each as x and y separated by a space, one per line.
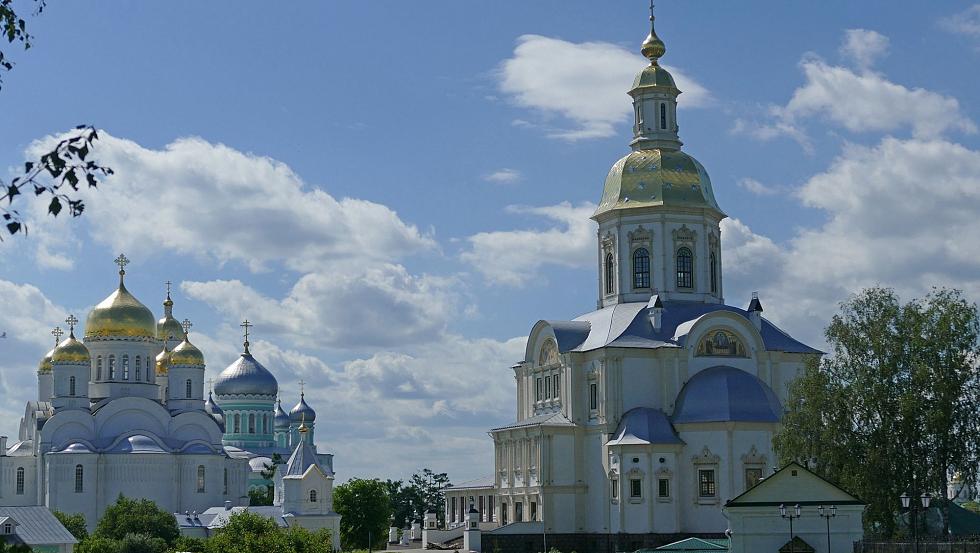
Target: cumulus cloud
584 83
503 176
966 22
863 47
515 257
214 202
756 187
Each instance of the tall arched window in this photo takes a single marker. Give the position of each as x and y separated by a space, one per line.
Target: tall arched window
312 496
610 274
112 367
20 480
641 268
663 116
187 388
98 368
225 481
139 368
200 478
713 268
79 479
685 268
251 423
238 423
71 386
125 367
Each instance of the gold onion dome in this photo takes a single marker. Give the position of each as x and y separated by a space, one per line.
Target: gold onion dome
120 315
653 48
186 353
71 352
657 177
44 367
163 362
169 329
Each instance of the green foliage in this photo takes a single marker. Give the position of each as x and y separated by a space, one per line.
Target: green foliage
190 545
309 541
97 544
73 523
137 516
248 533
142 543
971 506
893 409
260 497
423 493
364 508
14 548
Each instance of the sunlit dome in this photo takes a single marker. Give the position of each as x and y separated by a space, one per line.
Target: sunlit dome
120 315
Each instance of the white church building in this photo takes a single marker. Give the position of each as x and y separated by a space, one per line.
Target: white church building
639 420
122 412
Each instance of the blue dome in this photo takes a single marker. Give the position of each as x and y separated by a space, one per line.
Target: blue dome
246 377
302 412
282 419
726 394
644 426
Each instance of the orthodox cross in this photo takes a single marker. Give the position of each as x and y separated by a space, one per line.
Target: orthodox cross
168 283
301 391
210 385
186 324
72 320
122 261
57 333
246 325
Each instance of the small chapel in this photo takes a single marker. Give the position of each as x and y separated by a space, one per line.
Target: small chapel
642 418
122 411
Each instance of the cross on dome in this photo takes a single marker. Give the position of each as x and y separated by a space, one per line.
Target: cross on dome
168 283
186 324
246 325
653 48
210 385
57 333
301 389
122 261
72 320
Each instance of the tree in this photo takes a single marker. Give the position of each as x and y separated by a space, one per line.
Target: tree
306 541
73 523
97 544
142 543
364 509
260 497
248 533
266 496
893 409
429 495
137 516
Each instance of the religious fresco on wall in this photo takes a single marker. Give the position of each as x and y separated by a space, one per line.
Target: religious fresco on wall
720 343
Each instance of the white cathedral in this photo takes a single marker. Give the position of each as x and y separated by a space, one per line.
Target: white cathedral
643 417
123 412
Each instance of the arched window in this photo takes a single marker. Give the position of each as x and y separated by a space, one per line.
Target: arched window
251 423
641 268
139 368
98 368
312 496
71 386
663 116
187 388
200 478
20 480
79 479
685 268
238 423
112 367
225 480
610 276
713 268
125 367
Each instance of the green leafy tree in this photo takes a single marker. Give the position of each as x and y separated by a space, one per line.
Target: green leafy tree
893 408
260 497
137 516
302 540
364 509
142 543
190 545
249 533
429 495
97 544
267 495
74 523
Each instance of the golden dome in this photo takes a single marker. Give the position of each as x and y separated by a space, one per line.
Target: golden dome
163 362
169 329
653 75
186 353
44 367
653 48
70 352
120 315
657 177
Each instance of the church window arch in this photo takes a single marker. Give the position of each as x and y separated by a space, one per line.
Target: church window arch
641 268
549 353
663 116
112 367
200 478
98 367
188 388
685 268
139 368
713 269
610 274
238 423
225 481
20 480
125 367
71 386
79 479
312 496
251 423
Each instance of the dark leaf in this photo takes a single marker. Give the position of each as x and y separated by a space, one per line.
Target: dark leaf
91 180
28 166
13 227
54 208
11 192
72 178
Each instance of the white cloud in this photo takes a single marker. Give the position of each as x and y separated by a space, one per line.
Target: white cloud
515 257
211 201
863 47
756 187
503 176
28 315
585 83
967 22
378 306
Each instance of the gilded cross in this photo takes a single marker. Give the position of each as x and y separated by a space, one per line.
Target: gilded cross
57 333
168 283
186 324
72 320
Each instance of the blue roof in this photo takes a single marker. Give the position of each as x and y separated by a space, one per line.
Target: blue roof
644 425
726 394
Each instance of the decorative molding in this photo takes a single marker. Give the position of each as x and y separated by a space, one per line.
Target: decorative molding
684 234
706 458
664 472
720 343
640 235
636 472
608 241
713 241
753 457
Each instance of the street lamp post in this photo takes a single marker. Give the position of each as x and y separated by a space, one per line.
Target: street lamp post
827 514
907 503
795 513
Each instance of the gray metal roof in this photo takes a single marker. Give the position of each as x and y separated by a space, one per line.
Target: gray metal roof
302 412
476 483
726 394
547 419
216 517
628 325
303 457
37 526
644 426
246 376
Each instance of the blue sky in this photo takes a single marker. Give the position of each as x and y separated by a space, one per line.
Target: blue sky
395 192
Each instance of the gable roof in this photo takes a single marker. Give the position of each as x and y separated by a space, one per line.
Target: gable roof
303 458
36 525
546 419
794 484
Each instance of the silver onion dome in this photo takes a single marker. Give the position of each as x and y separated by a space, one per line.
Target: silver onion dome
281 418
302 412
246 377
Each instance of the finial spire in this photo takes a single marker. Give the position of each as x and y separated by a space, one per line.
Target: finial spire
302 424
122 261
301 388
210 386
653 48
246 325
72 320
57 333
186 324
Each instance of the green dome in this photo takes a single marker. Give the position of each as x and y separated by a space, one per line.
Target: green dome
653 75
657 177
